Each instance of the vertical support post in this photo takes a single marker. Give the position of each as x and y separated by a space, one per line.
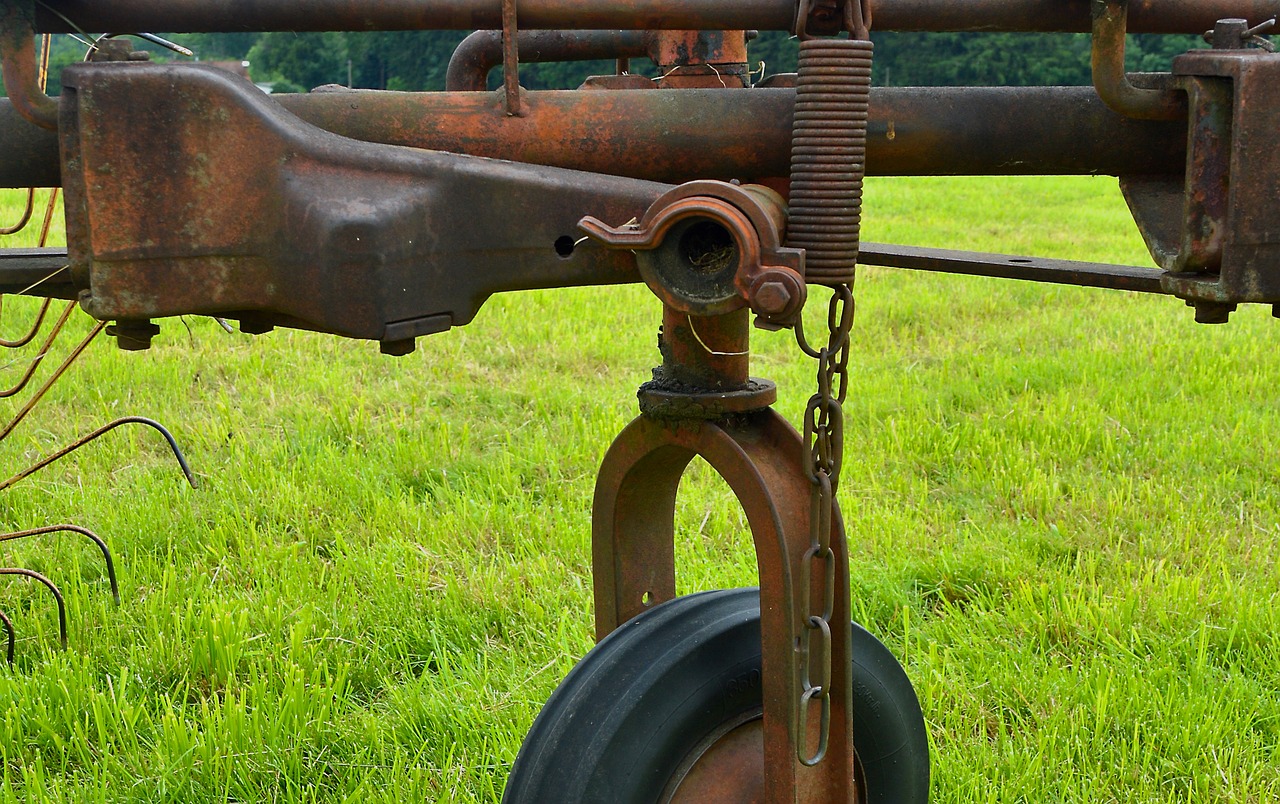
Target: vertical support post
510 58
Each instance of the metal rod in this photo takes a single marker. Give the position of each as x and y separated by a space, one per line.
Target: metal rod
57 595
480 52
1006 266
190 16
95 538
8 628
22 81
106 428
510 58
1110 78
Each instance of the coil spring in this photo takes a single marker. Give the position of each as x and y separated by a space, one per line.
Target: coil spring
828 156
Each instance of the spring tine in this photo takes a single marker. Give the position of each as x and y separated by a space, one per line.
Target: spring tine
44 389
31 334
26 215
8 627
49 209
106 428
44 350
57 595
95 538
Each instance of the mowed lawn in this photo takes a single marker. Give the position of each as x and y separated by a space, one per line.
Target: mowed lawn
1063 508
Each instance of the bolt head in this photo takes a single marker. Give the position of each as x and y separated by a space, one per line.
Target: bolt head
1210 312
772 298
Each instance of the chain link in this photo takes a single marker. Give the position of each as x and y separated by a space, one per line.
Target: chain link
824 443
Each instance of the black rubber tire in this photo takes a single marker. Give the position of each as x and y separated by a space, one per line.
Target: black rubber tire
634 708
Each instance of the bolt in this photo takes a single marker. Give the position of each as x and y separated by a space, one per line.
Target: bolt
1211 312
399 347
772 298
1229 34
133 334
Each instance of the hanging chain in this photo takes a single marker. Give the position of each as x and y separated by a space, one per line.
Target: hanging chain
824 443
828 150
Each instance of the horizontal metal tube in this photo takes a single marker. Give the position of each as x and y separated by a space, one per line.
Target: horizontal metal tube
480 52
28 153
1146 16
678 135
191 16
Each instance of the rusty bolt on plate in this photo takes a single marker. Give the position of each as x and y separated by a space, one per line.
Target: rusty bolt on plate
1212 312
133 335
777 295
772 298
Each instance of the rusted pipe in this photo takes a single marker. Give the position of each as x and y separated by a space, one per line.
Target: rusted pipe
718 134
30 151
479 53
21 80
190 16
746 135
1146 16
1109 76
1068 16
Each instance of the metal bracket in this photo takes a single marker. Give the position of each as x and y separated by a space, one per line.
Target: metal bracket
633 556
191 192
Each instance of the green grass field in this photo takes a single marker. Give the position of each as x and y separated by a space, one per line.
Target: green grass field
1063 509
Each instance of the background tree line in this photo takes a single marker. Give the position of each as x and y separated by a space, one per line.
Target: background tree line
416 60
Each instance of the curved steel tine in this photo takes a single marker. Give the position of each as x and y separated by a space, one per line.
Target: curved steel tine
57 595
31 333
95 538
44 389
44 350
106 428
26 215
8 627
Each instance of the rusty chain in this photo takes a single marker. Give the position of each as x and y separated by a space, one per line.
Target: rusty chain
824 441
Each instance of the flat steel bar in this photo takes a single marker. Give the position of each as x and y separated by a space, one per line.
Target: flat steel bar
191 16
1005 266
36 272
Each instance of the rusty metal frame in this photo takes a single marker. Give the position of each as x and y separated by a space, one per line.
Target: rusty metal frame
388 216
633 555
192 16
